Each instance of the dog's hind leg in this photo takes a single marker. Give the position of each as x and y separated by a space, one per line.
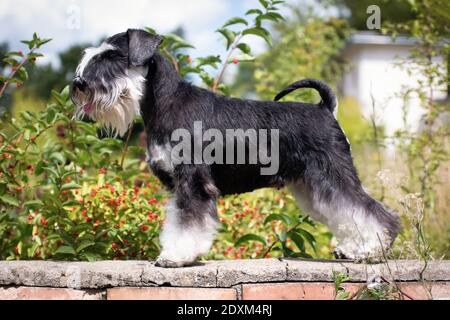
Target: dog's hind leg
362 226
191 221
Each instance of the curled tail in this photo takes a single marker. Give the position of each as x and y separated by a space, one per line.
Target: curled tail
329 99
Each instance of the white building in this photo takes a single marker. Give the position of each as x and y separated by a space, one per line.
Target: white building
375 70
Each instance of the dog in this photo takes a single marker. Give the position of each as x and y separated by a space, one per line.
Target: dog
127 76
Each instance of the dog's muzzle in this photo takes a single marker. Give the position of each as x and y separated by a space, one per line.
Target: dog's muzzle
81 95
79 84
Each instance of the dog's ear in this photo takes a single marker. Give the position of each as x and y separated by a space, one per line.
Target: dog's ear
141 46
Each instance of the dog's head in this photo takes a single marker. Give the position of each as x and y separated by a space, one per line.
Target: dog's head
109 81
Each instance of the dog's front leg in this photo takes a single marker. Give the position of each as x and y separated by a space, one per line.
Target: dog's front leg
189 229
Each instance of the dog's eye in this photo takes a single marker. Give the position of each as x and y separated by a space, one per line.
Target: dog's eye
111 54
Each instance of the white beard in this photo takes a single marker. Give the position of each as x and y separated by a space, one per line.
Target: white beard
117 109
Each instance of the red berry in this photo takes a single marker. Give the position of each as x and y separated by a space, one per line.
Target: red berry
103 170
151 201
144 228
115 245
68 179
235 61
44 222
88 219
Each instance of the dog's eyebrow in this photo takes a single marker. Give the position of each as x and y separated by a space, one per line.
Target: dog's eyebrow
89 53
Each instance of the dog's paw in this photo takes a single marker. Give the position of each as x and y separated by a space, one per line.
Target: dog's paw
358 257
166 263
339 254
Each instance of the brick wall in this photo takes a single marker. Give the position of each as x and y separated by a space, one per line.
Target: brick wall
228 280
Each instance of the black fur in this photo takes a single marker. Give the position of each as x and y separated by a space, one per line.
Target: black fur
313 148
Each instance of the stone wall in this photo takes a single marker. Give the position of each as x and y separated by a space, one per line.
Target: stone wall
237 279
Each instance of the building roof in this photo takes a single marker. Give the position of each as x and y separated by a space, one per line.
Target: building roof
370 37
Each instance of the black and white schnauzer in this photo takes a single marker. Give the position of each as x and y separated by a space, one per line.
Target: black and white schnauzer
127 76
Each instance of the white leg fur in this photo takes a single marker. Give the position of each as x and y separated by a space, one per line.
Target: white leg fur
182 244
359 234
160 155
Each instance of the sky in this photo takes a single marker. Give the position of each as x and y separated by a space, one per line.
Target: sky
86 21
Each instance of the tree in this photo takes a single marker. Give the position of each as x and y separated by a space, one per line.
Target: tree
355 11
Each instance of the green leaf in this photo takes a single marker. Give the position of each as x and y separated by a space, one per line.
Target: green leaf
91 257
58 157
260 32
342 295
70 185
206 78
264 3
65 92
250 237
59 99
279 217
150 30
42 42
174 42
309 237
298 240
245 48
235 20
39 168
14 53
32 250
10 200
209 60
68 174
241 58
270 16
33 203
85 244
66 250
26 135
51 115
283 236
22 74
229 36
253 11
53 236
11 61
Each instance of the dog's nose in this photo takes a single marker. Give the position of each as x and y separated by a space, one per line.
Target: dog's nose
79 84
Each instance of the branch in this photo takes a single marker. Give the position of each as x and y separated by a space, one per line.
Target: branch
225 63
276 241
125 150
172 59
13 72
